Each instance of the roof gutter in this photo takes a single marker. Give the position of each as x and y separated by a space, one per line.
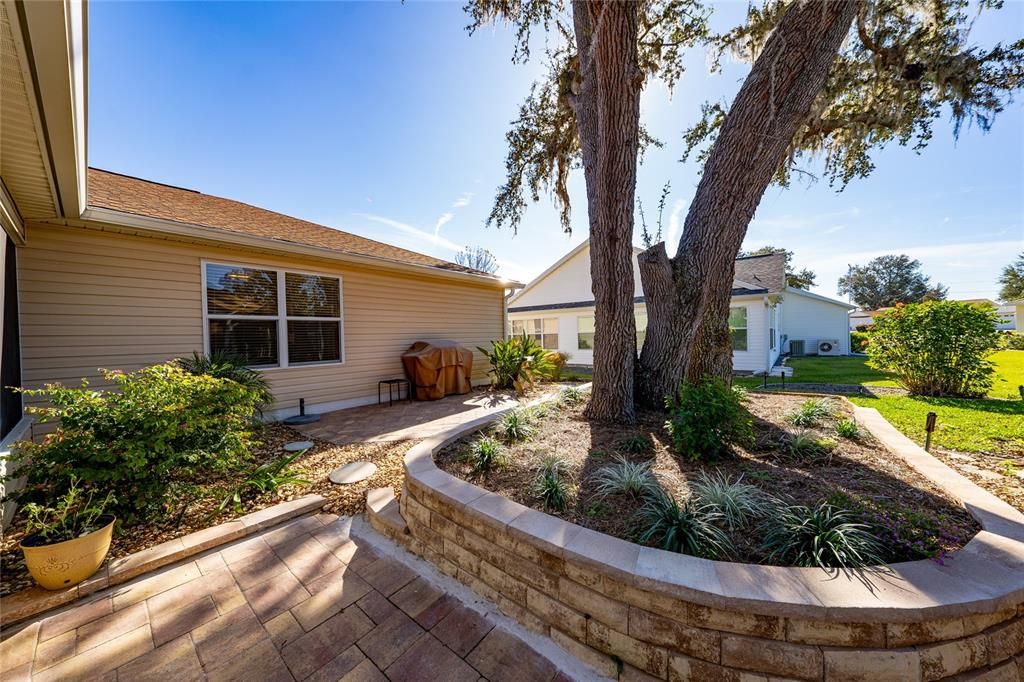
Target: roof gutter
134 221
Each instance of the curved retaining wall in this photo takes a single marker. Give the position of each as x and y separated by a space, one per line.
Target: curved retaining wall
624 608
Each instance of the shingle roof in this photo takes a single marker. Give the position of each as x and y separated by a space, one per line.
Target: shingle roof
155 200
766 271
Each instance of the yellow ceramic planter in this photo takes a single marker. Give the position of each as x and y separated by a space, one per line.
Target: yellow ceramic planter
70 562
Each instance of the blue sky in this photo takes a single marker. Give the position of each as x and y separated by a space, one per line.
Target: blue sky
388 120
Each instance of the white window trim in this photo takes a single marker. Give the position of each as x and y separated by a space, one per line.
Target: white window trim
745 327
282 316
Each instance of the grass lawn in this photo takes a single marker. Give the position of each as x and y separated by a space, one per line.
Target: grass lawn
993 426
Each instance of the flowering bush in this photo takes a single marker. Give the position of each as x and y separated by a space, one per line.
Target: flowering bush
938 348
161 426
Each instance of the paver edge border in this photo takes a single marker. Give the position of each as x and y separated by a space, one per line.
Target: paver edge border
33 601
912 591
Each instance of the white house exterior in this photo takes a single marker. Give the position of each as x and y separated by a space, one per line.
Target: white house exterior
557 308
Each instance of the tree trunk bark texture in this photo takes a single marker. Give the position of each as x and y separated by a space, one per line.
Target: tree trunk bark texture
607 111
773 102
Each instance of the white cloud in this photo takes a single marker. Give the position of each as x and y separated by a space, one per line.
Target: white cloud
445 218
418 234
463 201
834 229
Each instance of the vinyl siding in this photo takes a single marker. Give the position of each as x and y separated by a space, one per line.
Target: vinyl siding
754 359
93 299
812 320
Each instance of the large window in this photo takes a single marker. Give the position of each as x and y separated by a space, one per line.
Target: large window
272 318
545 330
738 328
585 332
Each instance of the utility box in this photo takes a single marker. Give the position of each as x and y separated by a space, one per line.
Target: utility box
797 347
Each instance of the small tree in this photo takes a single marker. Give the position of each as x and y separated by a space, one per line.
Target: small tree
888 280
1011 282
938 348
478 258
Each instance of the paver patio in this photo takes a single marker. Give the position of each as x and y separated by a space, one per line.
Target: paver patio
404 420
304 601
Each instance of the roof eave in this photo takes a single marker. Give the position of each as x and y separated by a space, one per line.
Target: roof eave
122 219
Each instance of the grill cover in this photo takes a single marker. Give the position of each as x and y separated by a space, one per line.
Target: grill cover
438 368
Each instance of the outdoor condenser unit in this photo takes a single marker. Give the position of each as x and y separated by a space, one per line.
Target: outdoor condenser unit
796 347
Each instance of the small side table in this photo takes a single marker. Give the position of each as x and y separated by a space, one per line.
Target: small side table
392 384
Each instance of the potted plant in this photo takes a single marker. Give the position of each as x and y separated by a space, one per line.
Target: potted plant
67 543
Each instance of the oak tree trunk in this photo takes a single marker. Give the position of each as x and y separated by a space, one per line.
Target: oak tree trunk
607 110
688 335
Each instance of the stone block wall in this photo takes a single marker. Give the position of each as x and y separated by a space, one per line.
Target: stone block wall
619 628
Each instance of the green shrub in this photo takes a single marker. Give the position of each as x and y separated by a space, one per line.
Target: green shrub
268 477
159 426
736 501
848 428
571 396
687 529
806 447
72 516
825 536
486 454
1013 341
624 478
636 445
811 412
707 418
224 366
550 485
518 362
938 348
859 341
516 426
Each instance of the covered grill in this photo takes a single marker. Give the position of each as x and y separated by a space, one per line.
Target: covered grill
438 368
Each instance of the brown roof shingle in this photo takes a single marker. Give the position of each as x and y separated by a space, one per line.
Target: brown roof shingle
765 271
154 200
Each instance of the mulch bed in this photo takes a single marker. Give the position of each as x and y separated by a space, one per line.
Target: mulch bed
314 466
1001 475
862 470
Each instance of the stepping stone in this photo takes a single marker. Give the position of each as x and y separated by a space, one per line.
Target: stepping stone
298 445
353 472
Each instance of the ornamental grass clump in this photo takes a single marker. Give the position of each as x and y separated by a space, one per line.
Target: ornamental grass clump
938 348
624 477
707 418
825 536
848 428
159 427
687 528
739 503
550 484
516 426
487 454
811 412
805 446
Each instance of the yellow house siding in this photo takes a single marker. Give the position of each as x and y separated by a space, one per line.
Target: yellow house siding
92 298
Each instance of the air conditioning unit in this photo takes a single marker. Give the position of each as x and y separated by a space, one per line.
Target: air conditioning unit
828 347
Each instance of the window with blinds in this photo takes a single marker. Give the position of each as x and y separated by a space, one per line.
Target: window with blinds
273 318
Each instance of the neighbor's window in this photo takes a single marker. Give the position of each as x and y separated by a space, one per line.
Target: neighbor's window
585 333
544 331
253 312
738 328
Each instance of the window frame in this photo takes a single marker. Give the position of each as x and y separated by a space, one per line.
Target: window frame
578 332
282 318
535 334
745 328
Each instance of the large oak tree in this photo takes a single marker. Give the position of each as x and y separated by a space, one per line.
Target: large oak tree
830 81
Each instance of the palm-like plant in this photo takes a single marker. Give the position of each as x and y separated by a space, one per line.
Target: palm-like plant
518 362
687 528
825 536
226 366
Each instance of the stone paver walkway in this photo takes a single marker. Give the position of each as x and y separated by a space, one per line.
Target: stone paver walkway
304 601
404 420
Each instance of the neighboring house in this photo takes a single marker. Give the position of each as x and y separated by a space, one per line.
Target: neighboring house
1010 316
106 270
766 316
